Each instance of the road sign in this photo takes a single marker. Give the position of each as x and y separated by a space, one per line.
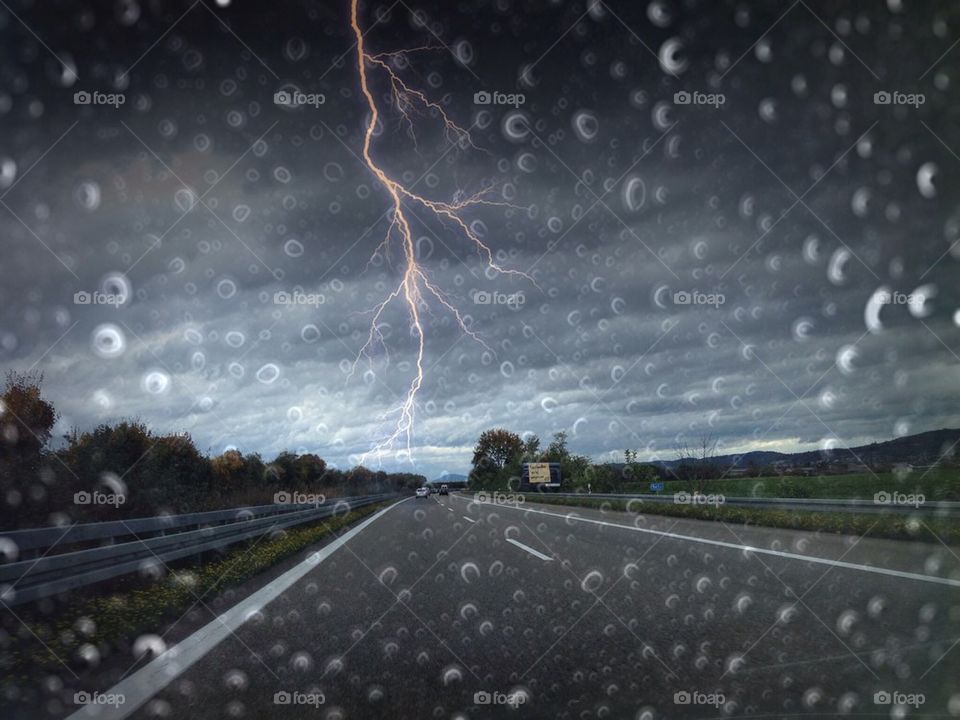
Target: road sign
656 487
539 473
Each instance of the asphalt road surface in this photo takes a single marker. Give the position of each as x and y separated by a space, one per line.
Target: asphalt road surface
444 608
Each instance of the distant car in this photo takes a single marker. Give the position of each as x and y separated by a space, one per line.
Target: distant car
423 492
444 490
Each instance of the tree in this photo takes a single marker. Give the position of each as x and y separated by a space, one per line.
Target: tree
26 419
308 470
557 449
634 471
26 423
696 463
496 457
531 448
497 448
174 475
229 472
283 469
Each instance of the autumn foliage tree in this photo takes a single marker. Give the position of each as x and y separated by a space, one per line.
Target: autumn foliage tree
26 424
496 454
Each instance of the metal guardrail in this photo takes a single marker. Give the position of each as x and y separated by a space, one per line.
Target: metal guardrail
28 580
46 537
939 508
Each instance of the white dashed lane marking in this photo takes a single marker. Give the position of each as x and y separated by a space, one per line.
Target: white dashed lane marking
529 550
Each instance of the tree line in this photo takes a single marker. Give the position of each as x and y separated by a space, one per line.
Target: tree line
499 455
83 480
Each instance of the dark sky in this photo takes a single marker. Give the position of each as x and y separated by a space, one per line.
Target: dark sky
803 212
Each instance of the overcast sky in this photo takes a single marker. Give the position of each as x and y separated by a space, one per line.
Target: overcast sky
799 212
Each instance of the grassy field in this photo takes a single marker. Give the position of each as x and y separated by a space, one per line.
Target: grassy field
935 485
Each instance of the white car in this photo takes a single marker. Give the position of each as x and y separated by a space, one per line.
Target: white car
423 492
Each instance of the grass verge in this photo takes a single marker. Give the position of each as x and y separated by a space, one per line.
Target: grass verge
895 527
937 484
91 626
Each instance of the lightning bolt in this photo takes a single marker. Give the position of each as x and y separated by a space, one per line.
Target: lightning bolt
415 285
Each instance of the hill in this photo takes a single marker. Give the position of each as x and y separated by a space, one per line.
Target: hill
922 449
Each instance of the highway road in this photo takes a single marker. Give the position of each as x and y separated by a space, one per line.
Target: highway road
434 606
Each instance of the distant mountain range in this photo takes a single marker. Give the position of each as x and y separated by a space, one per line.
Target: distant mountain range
451 478
924 448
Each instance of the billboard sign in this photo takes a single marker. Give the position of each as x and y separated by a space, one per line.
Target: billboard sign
541 475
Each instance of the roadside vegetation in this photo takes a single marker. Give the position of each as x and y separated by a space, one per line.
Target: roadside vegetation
92 625
894 527
499 456
937 484
153 473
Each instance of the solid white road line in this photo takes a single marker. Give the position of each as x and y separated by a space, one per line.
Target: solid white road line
529 550
164 669
749 548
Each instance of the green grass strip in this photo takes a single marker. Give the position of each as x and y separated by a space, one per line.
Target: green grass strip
896 527
109 622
